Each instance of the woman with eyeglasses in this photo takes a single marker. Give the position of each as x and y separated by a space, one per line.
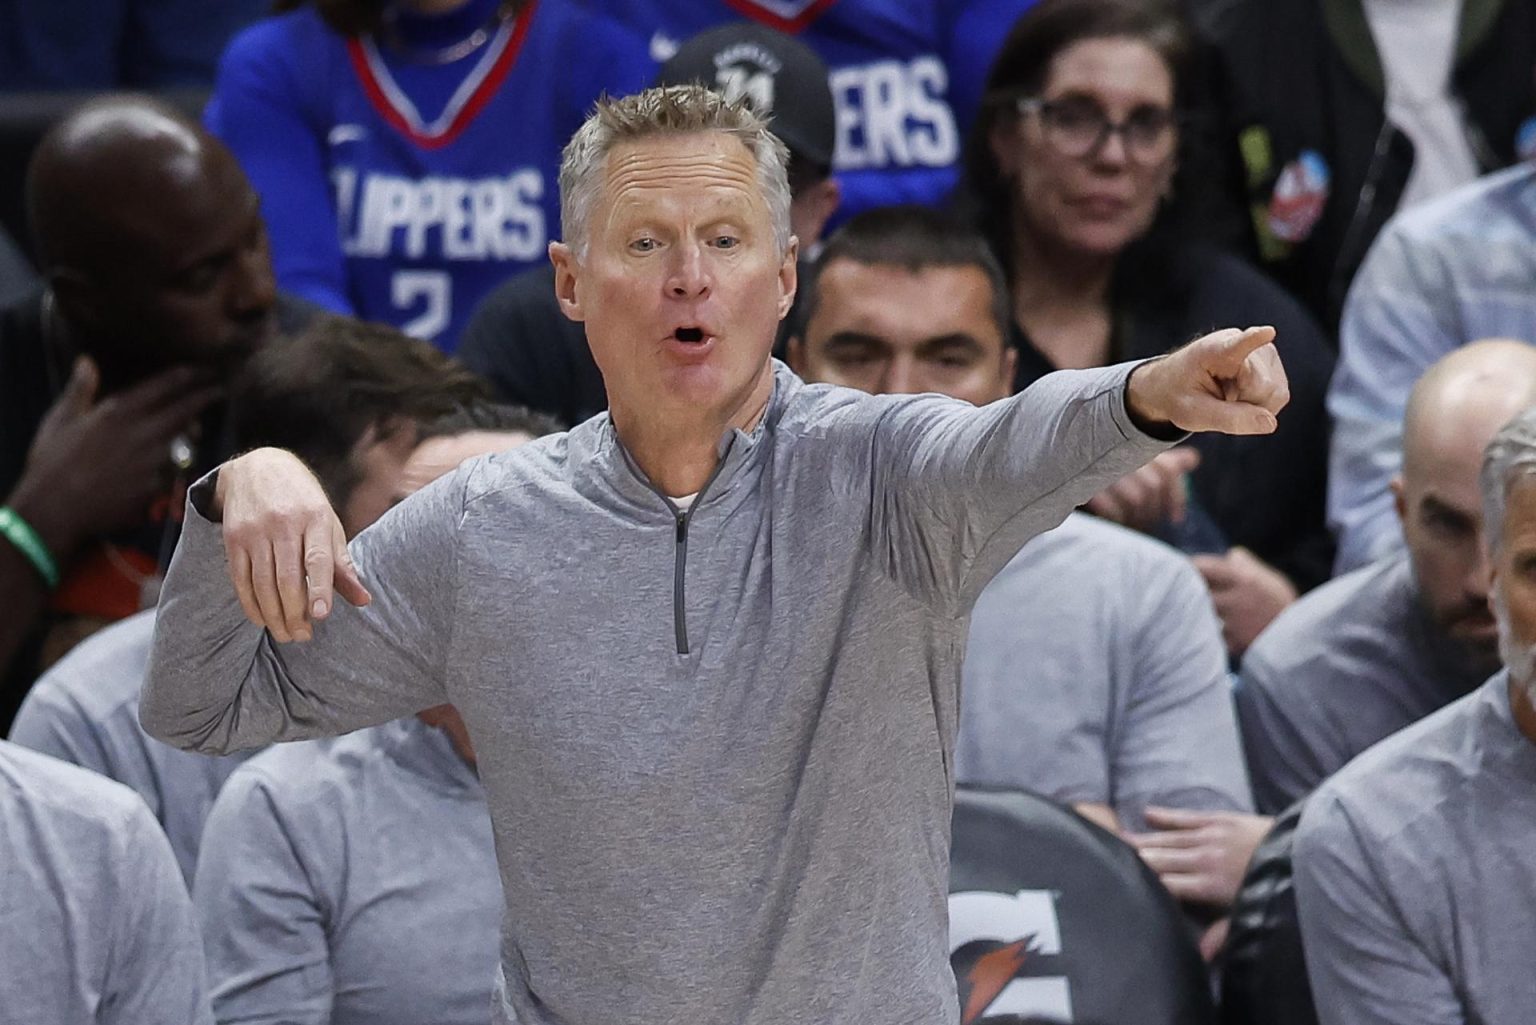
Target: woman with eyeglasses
1072 171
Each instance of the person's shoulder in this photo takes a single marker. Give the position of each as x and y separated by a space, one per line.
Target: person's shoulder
65 796
309 774
1409 778
533 466
275 41
1469 212
101 677
1362 612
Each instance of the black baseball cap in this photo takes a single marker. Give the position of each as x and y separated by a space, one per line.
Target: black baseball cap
780 78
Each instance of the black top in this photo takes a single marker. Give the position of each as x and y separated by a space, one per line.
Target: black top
1265 493
532 354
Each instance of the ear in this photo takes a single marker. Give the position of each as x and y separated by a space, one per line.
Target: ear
1399 502
1009 371
567 271
795 353
789 277
79 300
1005 139
814 207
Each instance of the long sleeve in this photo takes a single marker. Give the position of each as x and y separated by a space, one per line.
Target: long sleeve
217 683
263 925
957 491
258 110
1178 744
1365 966
1395 325
155 969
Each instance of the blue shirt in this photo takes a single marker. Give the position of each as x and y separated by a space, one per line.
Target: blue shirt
1452 271
404 192
897 141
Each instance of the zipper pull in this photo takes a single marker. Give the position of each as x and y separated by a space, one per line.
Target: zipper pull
682 529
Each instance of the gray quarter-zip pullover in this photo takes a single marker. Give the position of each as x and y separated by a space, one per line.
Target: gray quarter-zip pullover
717 748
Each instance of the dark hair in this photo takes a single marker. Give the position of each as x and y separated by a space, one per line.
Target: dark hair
913 238
1024 64
490 416
359 17
319 392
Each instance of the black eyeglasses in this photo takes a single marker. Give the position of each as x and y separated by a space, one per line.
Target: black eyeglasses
1080 128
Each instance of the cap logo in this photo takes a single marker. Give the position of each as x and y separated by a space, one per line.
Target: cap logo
745 72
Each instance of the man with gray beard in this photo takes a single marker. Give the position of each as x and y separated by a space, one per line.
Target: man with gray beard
1415 869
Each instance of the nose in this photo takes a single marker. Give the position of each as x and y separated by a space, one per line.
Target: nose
902 378
1479 573
1112 151
688 277
253 290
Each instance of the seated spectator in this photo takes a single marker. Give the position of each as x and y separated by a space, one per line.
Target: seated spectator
896 138
85 710
158 288
95 925
1335 117
1094 672
1414 865
1438 277
531 352
1073 154
354 883
406 153
1382 647
117 44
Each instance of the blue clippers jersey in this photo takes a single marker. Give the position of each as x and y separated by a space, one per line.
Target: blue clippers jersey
896 135
401 192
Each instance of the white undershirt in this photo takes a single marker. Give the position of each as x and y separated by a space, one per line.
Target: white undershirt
686 502
1417 43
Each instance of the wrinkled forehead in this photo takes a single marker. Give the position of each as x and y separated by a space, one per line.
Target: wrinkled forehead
679 169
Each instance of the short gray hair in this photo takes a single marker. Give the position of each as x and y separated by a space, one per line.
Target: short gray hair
666 110
1510 457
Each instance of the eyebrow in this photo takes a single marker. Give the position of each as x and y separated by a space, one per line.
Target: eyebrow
1442 508
954 340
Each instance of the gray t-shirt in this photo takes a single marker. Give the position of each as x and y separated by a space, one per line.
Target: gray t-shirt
85 710
95 924
717 748
1096 672
1416 874
352 884
1350 663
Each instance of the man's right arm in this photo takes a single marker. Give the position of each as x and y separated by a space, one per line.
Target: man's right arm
218 682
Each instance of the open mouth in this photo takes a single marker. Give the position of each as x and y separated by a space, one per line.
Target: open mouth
691 335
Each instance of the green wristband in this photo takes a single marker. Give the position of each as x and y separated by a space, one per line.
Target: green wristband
20 533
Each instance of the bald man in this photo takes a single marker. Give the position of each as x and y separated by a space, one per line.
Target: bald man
158 286
1381 647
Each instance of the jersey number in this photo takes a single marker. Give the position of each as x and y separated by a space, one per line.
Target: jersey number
431 290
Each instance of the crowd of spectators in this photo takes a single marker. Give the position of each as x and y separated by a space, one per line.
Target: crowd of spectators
1318 643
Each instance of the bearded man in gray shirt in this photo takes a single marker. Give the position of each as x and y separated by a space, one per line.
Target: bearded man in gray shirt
1415 868
707 644
1381 647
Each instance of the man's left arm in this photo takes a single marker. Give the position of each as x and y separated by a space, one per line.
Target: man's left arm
958 491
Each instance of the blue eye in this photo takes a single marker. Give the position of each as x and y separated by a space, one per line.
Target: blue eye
643 245
726 242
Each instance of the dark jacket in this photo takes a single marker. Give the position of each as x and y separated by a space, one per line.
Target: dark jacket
1298 76
1265 493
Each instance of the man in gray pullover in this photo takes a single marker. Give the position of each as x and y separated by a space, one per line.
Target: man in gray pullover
708 644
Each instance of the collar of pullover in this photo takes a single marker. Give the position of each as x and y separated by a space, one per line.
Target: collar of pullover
740 452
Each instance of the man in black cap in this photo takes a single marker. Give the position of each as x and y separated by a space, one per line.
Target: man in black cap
520 341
